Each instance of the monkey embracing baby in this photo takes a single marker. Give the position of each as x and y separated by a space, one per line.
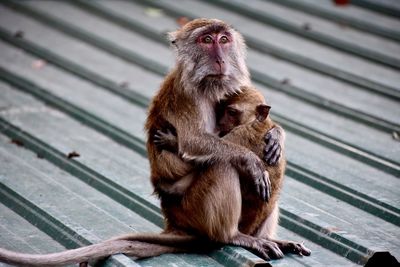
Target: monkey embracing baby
213 191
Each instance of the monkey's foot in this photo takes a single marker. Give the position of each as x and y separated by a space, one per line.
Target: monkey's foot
264 248
268 250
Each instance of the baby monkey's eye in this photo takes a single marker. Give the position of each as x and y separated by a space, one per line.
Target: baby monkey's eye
232 112
224 40
207 39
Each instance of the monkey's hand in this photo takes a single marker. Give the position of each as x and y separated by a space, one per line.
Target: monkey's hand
274 140
249 165
166 140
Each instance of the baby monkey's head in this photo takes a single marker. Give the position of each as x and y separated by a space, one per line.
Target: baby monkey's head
245 107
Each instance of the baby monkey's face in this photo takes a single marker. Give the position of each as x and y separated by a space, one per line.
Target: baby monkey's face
238 113
245 107
231 117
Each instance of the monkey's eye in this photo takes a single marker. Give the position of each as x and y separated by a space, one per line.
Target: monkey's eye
207 40
224 40
232 112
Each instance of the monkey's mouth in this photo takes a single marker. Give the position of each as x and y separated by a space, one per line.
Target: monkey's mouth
216 76
222 133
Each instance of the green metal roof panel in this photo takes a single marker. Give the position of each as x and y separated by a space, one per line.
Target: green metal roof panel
105 59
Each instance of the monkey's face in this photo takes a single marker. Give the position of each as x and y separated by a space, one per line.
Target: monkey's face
216 45
240 113
210 52
231 117
235 114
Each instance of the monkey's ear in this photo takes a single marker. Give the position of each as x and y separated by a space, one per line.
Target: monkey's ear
262 112
172 36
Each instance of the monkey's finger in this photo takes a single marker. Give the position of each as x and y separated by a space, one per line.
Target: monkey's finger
264 187
276 156
274 251
269 144
265 193
157 140
158 136
267 157
263 254
303 250
274 160
261 191
160 133
297 248
268 187
268 137
270 147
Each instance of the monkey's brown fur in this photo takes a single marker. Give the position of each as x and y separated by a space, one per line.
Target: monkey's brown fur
247 127
210 65
245 120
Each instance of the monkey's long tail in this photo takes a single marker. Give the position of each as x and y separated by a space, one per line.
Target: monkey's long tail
138 245
167 239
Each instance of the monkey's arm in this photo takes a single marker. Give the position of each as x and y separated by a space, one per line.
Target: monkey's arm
167 143
203 147
275 141
166 167
166 140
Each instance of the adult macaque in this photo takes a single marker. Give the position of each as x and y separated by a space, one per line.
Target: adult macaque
210 66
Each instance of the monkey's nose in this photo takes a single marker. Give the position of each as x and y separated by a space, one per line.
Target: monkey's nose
220 61
220 66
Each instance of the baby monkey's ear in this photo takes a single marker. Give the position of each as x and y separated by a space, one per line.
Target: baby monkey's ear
262 112
172 37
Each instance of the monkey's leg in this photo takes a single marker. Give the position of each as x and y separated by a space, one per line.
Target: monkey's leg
267 231
175 188
264 247
216 197
210 207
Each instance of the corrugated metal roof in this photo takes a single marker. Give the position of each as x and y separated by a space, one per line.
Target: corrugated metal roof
77 76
